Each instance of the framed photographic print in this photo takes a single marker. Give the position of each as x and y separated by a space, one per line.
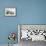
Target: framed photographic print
10 11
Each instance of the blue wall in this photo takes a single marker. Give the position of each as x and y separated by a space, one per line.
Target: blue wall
28 12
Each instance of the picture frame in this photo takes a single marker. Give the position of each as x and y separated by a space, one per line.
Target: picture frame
36 32
10 11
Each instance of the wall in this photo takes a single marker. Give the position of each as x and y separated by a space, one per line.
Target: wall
28 12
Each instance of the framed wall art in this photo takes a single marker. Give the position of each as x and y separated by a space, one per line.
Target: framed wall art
10 11
32 32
